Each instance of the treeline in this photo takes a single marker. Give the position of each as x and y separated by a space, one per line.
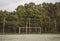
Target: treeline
45 15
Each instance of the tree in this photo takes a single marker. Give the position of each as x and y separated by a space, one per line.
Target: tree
4 14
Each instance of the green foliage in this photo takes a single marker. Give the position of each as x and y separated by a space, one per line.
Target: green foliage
46 15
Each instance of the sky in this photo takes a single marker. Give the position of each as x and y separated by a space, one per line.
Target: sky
10 5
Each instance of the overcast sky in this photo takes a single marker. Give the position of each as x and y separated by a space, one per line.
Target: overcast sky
10 5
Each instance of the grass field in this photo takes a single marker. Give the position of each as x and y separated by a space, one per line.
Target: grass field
30 37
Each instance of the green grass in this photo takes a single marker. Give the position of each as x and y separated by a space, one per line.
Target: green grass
27 33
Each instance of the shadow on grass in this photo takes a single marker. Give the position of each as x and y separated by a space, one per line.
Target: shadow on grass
26 33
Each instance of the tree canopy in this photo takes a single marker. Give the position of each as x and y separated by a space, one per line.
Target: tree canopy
45 15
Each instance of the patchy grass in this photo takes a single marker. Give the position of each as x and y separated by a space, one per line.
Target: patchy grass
26 33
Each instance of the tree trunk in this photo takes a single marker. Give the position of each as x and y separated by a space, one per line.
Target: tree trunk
41 28
29 26
19 30
49 24
14 28
3 25
55 25
45 29
45 23
26 26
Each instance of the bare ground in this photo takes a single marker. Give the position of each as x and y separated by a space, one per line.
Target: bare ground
31 37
